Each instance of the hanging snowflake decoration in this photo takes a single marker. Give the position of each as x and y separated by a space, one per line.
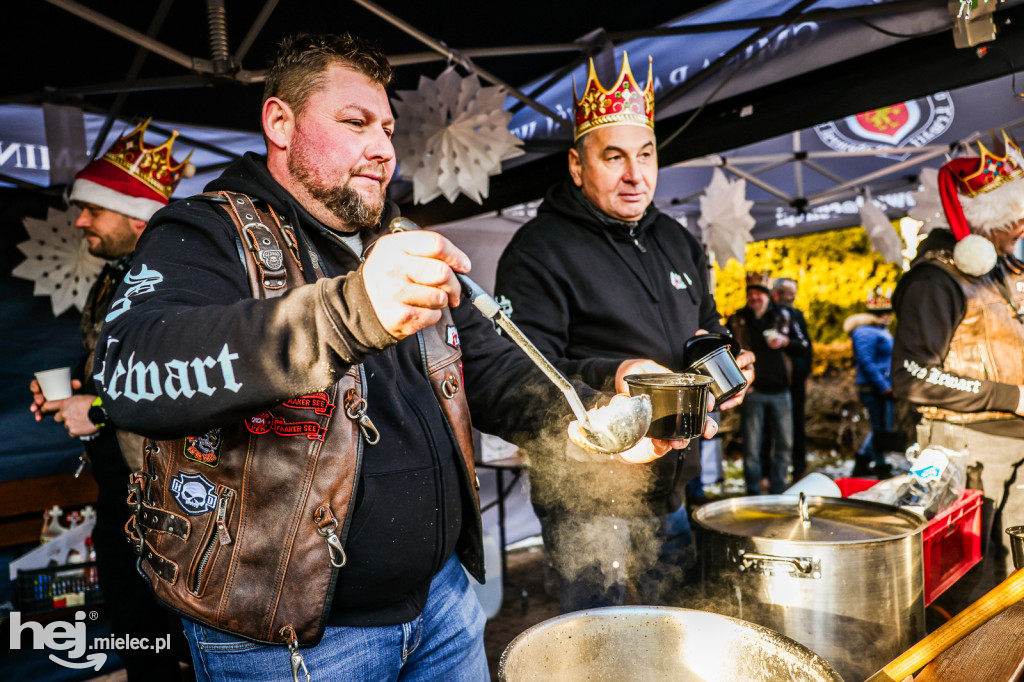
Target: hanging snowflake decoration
884 238
928 206
725 218
452 135
57 259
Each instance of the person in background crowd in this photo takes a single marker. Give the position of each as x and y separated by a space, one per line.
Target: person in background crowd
606 285
784 291
872 357
308 381
768 330
958 350
117 194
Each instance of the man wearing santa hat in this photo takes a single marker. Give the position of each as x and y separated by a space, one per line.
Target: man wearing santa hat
959 343
117 194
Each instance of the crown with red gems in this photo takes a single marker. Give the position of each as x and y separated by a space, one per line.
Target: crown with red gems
879 301
759 279
132 177
986 172
623 103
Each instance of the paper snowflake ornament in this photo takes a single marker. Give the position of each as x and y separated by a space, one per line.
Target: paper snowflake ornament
927 204
884 238
452 135
57 259
725 219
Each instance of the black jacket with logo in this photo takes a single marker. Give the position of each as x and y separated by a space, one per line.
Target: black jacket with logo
591 292
186 309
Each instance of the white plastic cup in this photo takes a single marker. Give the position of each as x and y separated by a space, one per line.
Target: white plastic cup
55 383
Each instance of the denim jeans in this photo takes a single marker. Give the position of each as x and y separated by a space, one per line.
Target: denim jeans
775 409
594 556
446 642
880 414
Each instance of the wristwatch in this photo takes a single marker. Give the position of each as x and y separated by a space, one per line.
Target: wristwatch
97 415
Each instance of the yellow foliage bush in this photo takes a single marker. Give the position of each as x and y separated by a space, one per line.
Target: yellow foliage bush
834 271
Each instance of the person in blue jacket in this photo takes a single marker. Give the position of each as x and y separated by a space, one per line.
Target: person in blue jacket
872 356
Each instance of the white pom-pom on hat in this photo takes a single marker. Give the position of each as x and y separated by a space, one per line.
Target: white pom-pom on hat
974 255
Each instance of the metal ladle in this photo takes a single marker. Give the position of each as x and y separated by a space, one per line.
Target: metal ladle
608 430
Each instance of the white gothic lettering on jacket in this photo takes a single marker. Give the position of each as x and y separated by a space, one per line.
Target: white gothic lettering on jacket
934 375
176 379
143 283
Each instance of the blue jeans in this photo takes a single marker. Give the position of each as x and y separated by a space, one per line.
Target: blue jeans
594 556
776 409
880 414
446 642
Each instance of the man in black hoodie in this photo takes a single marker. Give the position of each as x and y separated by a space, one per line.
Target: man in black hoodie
307 381
958 350
606 285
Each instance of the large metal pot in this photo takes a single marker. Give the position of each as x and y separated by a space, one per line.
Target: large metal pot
843 577
657 643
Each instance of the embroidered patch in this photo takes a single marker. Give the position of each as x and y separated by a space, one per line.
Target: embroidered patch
319 402
505 305
194 493
204 449
677 281
266 422
451 336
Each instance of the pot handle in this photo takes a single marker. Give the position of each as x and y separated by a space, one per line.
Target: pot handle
802 567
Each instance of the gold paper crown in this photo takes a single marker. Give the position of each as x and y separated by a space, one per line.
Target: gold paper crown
879 300
153 166
624 103
760 278
987 171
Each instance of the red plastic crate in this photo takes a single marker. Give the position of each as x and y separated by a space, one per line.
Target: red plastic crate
952 540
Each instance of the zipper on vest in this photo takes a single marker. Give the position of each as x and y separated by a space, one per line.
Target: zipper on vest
220 536
327 528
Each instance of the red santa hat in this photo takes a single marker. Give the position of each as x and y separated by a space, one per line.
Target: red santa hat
132 178
981 194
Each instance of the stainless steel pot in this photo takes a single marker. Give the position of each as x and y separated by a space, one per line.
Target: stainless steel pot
843 577
657 643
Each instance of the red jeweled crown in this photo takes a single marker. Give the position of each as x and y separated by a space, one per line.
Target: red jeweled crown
985 172
624 103
153 166
132 178
878 300
761 279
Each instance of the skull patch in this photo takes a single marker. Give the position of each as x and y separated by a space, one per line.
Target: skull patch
194 493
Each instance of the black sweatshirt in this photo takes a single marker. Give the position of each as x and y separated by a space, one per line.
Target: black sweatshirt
187 301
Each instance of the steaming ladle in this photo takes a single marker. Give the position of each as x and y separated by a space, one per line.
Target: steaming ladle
610 429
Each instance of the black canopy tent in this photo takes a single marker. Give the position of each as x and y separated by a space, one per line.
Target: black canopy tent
729 72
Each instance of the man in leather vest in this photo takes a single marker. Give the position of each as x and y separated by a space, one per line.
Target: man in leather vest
117 194
308 381
958 350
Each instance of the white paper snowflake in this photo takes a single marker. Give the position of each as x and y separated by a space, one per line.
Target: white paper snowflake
725 219
57 259
451 136
928 206
884 238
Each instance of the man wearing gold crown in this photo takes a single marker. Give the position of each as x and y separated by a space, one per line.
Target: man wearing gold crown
959 342
872 359
117 194
607 285
310 382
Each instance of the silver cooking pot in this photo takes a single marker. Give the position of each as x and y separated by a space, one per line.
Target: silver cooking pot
843 577
642 643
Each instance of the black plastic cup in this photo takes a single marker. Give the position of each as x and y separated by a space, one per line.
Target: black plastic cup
1016 534
679 403
726 376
